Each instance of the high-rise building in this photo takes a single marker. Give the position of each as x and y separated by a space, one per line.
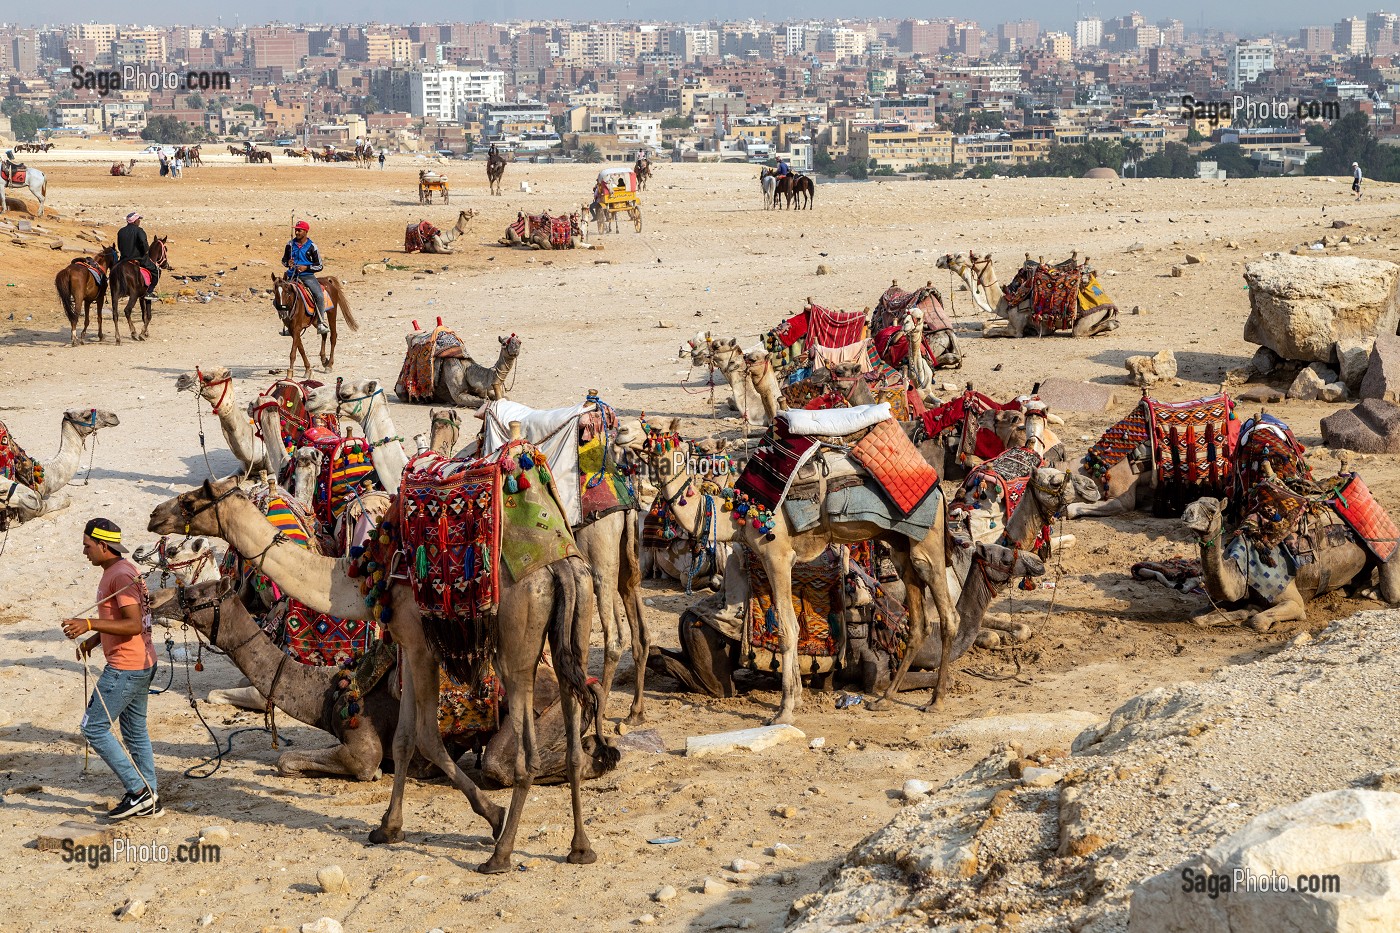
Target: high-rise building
104 34
1088 33
279 46
442 94
1173 32
1058 44
842 41
1316 40
920 37
152 41
24 53
1025 32
1350 36
1246 61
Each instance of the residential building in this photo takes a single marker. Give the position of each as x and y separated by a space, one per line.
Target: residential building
921 37
280 46
1058 44
1349 36
1246 61
441 94
1316 40
1088 33
900 147
152 48
103 35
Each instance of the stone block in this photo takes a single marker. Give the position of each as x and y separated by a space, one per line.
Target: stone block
1382 378
1261 394
1373 427
1062 395
1307 386
1300 306
1353 357
78 833
745 740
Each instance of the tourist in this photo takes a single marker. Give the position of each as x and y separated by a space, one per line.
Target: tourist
123 629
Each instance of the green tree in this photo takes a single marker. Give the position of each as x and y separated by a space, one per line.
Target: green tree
163 129
24 119
1193 137
1174 161
1350 140
589 152
677 123
824 163
858 170
1232 158
194 102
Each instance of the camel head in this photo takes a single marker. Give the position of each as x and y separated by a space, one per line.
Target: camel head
172 603
466 215
1202 517
306 467
1054 489
510 347
1009 561
89 421
446 429
211 383
193 512
666 451
698 349
353 397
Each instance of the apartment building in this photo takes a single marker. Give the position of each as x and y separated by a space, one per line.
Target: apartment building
443 93
900 147
277 46
1246 61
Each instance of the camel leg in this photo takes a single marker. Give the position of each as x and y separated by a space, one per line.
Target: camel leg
779 569
631 592
1289 608
919 628
390 827
340 760
520 707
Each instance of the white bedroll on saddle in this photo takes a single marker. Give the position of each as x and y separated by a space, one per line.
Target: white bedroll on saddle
828 423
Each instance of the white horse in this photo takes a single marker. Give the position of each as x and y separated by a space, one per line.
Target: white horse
769 185
34 181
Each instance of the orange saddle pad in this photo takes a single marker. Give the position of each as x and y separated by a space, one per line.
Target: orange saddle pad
894 461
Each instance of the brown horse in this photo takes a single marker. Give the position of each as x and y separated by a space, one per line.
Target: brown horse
301 316
495 171
794 187
126 281
82 282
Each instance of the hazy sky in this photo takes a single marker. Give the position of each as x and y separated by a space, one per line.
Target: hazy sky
1251 16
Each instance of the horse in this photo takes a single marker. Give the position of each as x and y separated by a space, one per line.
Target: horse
803 186
84 281
642 169
125 280
794 187
495 171
301 316
33 180
260 155
768 184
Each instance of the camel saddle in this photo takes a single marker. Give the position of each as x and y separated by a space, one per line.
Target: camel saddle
1353 502
818 599
894 461
288 398
17 465
418 375
347 471
792 441
415 236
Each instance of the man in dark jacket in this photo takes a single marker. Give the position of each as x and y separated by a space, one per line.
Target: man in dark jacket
132 244
303 261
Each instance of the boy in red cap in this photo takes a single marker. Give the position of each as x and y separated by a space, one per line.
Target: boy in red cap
303 261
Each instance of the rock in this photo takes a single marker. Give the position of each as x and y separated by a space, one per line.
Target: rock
822 269
133 909
786 811
664 324
1339 224
1193 260
818 742
206 920
739 866
748 740
646 920
75 834
711 886
374 268
1260 394
1062 395
1307 386
1232 244
1177 272
1040 777
1149 370
214 834
1383 365
783 851
324 925
331 879
1301 306
1137 309
1263 361
1333 392
1373 427
1352 357
1352 835
915 789
664 894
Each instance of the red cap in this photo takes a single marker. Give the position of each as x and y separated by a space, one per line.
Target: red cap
302 225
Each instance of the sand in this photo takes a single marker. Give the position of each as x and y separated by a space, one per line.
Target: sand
710 258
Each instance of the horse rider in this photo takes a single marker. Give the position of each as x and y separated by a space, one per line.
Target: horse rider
784 169
132 244
303 261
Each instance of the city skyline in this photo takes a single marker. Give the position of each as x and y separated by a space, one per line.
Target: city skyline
1283 17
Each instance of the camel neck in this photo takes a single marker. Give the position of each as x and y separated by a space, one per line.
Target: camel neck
1222 578
300 690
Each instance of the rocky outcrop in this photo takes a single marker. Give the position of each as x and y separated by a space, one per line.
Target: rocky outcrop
1044 841
1301 307
1373 427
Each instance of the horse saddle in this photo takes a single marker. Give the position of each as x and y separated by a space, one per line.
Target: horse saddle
14 173
145 273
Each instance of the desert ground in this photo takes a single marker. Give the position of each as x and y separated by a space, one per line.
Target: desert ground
710 258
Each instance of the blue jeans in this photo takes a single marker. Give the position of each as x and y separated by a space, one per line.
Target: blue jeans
124 694
309 280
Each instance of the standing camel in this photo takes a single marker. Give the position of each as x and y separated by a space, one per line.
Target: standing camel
922 563
127 280
80 283
215 386
495 170
48 477
555 601
363 402
300 316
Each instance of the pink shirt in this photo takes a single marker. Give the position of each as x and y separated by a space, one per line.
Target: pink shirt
124 652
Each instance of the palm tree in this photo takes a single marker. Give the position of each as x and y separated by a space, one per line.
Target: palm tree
1132 151
589 152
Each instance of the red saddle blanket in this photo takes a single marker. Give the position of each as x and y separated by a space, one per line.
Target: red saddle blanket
893 347
418 376
1193 450
16 177
415 236
817 600
1365 516
894 461
1004 477
288 398
17 465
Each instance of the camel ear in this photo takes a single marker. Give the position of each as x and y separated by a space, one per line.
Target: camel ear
502 340
208 488
371 386
1224 505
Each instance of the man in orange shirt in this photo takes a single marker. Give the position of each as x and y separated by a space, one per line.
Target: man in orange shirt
123 628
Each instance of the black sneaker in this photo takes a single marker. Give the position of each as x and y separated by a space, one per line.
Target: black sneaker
146 803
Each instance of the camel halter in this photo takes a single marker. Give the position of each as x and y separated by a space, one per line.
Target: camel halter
89 422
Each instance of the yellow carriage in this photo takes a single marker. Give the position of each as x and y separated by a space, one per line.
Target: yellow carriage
429 182
615 193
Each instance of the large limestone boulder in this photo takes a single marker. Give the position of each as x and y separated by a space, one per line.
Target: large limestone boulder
1345 843
1301 306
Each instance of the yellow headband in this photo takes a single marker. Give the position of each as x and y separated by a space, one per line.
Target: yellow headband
102 534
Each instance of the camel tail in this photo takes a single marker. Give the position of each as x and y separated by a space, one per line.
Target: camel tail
572 613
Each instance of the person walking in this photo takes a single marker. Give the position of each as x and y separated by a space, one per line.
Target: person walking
381 160
123 629
1356 180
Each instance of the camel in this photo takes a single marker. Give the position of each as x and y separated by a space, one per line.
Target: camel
363 402
465 382
77 426
1090 323
749 373
306 468
299 316
33 179
18 500
440 243
555 601
977 274
495 170
1336 564
82 282
920 563
319 400
126 280
445 427
121 170
215 386
308 694
707 658
178 563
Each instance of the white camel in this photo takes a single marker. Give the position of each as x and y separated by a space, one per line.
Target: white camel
363 402
977 274
78 425
215 386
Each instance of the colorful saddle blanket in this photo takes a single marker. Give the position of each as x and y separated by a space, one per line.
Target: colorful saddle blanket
835 337
17 465
98 276
817 600
415 236
1003 478
418 375
774 462
347 471
1275 512
896 302
893 346
1057 294
899 468
288 398
603 486
1193 450
1354 503
14 176
963 414
1267 440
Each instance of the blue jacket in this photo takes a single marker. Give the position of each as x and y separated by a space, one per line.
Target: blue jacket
304 254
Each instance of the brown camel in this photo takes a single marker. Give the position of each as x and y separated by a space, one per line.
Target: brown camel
749 374
920 564
125 281
307 693
82 282
300 316
556 600
466 382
